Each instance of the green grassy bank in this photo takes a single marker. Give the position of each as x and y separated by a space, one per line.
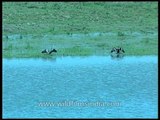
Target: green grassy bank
79 28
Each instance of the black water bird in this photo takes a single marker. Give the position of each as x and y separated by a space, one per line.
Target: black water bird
117 52
49 51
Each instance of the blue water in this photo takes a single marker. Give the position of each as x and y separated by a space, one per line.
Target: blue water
40 88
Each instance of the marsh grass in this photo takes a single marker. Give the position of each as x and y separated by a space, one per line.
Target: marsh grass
84 45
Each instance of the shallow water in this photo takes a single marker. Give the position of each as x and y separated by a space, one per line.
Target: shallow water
139 35
67 87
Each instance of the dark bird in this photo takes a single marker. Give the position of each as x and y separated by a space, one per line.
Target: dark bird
49 51
117 52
